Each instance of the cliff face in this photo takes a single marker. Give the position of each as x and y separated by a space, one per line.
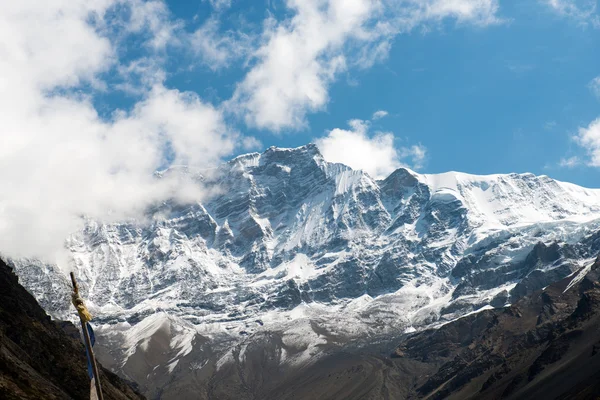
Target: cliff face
544 346
41 358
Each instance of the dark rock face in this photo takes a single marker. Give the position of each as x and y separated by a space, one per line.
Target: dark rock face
544 346
41 358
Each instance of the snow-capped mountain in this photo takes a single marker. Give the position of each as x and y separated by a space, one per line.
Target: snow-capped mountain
316 254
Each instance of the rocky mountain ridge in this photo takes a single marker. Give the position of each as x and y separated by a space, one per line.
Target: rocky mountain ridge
38 359
303 255
545 346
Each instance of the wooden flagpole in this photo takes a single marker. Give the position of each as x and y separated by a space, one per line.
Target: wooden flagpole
88 344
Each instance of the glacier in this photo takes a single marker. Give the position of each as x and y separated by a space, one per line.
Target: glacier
307 256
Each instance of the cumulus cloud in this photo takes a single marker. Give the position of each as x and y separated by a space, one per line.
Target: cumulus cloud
379 114
375 154
298 60
60 160
589 138
300 57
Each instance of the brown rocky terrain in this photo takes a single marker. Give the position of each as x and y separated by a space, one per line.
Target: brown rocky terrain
41 358
545 346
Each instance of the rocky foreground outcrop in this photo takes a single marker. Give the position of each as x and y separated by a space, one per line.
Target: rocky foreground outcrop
41 358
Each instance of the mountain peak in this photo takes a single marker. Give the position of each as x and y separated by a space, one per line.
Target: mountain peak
309 148
278 154
305 248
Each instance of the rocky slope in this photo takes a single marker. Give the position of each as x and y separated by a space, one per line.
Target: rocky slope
294 257
38 359
545 346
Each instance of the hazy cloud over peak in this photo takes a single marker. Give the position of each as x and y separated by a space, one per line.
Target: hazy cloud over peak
59 159
374 153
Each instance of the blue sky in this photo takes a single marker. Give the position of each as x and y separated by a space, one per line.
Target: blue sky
507 96
98 95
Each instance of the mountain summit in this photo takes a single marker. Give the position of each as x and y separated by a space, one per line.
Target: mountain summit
314 254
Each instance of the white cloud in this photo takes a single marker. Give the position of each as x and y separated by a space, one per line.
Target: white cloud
478 12
299 58
589 139
218 49
585 12
417 153
140 75
46 54
379 114
220 4
402 16
153 16
161 32
59 160
373 53
297 62
594 86
569 162
215 48
374 154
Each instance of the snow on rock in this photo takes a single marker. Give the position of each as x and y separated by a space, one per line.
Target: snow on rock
579 275
318 253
